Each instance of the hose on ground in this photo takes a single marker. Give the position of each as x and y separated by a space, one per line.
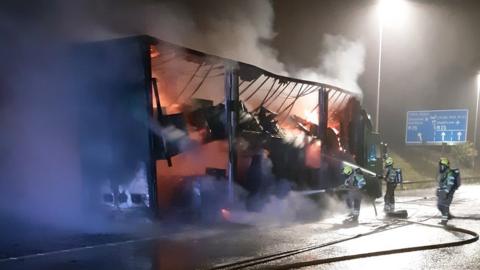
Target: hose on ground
473 238
273 257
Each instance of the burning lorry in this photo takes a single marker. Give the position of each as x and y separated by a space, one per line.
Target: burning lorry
171 130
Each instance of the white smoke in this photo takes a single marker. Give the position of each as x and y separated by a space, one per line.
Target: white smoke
238 30
243 31
341 62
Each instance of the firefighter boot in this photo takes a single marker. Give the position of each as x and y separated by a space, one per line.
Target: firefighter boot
444 220
388 208
351 220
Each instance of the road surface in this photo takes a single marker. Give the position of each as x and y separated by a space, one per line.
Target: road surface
206 248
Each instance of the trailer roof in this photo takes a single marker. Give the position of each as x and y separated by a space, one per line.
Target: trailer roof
253 71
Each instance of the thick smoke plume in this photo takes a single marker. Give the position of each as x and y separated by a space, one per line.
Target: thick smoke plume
341 62
243 31
240 30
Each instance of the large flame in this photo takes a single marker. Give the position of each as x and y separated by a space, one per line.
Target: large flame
311 117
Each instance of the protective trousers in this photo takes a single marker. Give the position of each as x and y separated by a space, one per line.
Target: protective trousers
354 199
389 197
443 203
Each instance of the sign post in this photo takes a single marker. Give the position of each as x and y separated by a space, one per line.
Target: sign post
436 127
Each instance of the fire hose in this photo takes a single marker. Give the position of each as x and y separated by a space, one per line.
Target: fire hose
281 255
273 257
277 256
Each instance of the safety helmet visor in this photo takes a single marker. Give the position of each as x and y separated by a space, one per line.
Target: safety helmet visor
443 164
389 161
347 170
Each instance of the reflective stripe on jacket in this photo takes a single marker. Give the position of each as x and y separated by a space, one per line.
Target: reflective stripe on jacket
356 181
446 180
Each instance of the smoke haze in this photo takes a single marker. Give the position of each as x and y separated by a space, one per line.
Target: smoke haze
40 168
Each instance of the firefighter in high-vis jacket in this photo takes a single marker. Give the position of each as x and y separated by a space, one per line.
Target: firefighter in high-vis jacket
354 183
391 178
448 182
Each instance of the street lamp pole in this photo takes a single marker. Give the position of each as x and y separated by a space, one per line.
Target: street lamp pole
387 11
380 41
476 117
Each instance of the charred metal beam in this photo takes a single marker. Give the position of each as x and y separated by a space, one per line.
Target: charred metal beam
316 106
160 118
270 100
258 88
270 89
248 86
231 107
344 100
281 105
268 93
306 91
301 94
322 115
254 91
333 99
290 106
340 100
151 162
189 81
202 81
311 90
264 72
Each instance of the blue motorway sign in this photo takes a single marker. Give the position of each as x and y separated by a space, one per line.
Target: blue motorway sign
436 127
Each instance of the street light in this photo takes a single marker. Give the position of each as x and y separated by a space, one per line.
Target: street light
476 119
476 112
394 11
387 11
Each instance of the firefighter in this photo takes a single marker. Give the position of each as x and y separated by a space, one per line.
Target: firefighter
448 182
391 179
354 183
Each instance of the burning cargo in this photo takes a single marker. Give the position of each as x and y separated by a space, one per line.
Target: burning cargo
189 128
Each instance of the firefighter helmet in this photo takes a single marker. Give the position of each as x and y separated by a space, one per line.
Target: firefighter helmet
443 164
389 161
444 161
347 170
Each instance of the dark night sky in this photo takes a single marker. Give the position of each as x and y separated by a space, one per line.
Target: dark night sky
430 63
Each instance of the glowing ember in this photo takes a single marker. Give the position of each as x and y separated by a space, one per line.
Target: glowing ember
226 214
154 52
312 154
336 131
174 108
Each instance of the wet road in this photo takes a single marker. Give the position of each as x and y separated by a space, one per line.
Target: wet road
217 246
